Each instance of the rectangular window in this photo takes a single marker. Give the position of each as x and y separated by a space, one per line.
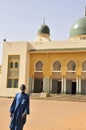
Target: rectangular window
9 83
11 65
15 83
16 64
13 71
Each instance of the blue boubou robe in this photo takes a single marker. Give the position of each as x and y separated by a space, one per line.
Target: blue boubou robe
20 105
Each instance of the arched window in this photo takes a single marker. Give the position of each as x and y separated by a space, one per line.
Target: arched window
71 66
56 66
84 66
38 66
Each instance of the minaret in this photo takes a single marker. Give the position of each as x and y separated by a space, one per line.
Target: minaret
43 32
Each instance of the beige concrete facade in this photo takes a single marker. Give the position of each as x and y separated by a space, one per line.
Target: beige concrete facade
14 48
48 52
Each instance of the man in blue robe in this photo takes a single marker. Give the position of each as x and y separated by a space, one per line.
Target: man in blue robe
19 109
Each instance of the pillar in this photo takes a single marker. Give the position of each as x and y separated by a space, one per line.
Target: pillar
46 85
32 84
79 85
50 91
62 91
64 84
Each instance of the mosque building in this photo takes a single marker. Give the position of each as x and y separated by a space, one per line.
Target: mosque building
53 67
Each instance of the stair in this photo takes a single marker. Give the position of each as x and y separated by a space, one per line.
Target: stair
60 97
35 95
69 97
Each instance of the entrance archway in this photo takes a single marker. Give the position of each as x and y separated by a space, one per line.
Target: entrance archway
56 86
38 85
70 87
38 77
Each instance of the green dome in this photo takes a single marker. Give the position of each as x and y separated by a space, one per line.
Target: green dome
44 29
79 28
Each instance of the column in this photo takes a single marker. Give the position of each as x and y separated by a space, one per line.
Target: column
64 85
50 91
79 85
33 84
46 83
30 84
62 91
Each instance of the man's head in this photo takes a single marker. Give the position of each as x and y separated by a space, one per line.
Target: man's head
22 87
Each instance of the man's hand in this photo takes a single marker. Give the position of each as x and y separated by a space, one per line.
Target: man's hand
23 115
10 114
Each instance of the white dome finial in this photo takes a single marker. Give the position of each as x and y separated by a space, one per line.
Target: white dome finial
44 20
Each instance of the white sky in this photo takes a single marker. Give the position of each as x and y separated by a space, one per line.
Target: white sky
21 19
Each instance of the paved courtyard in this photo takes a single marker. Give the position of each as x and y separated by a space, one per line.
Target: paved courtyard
48 115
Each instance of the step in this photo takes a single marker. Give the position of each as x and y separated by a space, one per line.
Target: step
59 97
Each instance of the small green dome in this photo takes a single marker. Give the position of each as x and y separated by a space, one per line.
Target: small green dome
79 28
44 29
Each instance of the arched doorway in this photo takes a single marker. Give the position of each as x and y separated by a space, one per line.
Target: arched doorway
56 86
38 85
56 77
71 78
38 77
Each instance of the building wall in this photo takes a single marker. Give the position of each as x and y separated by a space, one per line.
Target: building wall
48 58
47 53
14 48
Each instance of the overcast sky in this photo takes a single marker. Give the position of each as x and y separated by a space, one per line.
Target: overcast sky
21 19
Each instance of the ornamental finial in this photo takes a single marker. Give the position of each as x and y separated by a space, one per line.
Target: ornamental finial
43 20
